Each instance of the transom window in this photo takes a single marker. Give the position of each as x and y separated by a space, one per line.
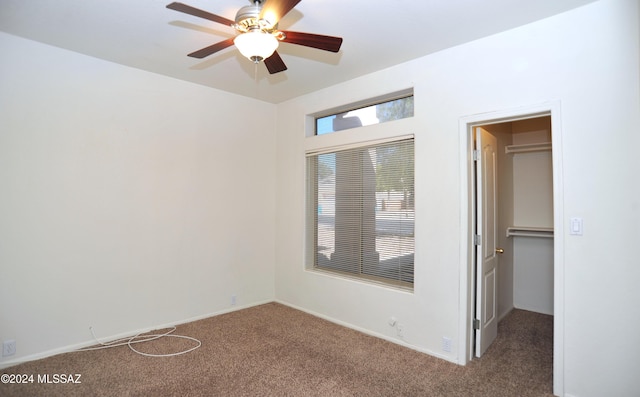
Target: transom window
382 112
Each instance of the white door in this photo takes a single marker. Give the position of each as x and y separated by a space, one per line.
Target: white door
486 250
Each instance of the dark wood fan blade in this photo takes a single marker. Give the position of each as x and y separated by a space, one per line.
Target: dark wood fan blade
199 13
275 64
274 10
205 52
327 43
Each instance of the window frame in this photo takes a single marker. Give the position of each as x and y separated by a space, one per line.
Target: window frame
311 216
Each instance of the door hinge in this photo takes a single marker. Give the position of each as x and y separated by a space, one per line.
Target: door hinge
476 323
476 155
477 239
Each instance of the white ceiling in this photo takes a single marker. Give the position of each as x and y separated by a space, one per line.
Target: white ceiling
144 34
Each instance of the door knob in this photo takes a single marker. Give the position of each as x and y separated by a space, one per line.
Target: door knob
499 251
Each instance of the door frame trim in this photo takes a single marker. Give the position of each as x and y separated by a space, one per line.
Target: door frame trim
467 289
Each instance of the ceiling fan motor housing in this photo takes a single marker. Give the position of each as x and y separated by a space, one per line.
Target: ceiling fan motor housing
248 18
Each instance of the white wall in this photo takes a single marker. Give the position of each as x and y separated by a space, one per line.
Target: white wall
533 206
128 199
588 59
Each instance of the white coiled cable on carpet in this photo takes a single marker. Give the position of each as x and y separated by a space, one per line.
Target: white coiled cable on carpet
139 338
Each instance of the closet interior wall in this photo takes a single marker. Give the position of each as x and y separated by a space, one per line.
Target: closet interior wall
525 215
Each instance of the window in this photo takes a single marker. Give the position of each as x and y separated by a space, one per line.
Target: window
360 206
389 110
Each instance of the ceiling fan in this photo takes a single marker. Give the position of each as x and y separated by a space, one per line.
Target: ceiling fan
258 36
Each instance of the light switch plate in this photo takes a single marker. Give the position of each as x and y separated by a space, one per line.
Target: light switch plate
575 226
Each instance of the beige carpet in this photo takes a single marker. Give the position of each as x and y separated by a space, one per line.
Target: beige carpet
273 350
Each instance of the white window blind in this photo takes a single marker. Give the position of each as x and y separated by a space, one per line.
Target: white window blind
360 204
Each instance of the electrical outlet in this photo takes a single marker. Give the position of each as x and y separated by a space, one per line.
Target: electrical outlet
8 348
446 344
400 330
233 300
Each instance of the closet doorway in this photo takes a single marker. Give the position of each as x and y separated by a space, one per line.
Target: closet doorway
529 225
513 225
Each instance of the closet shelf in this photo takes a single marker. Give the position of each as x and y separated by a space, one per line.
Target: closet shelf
529 147
524 231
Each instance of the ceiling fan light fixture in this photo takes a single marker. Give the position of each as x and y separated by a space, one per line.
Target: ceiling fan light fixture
256 45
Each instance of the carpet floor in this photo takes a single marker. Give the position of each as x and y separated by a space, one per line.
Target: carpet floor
274 350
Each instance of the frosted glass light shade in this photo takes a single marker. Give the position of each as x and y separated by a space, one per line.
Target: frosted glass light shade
256 45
